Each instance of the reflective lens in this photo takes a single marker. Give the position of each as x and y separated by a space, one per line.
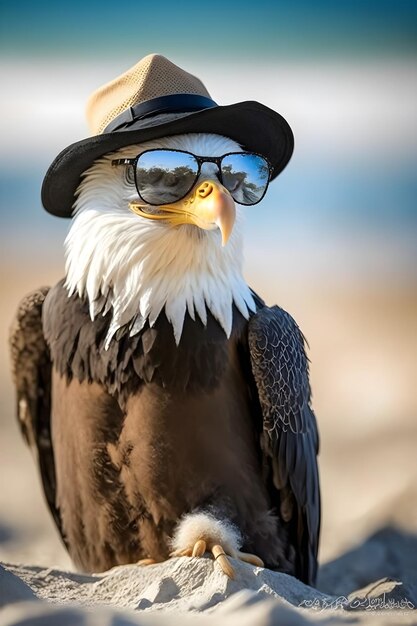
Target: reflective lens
164 176
246 176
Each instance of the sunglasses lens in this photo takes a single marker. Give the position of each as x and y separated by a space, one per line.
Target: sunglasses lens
163 176
246 176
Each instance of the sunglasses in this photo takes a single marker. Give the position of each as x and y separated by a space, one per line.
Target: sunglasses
167 176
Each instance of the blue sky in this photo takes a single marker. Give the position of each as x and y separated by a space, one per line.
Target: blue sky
237 29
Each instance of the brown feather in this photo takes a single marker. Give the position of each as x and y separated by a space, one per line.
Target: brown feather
146 431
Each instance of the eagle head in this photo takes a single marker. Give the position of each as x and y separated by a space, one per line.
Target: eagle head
137 260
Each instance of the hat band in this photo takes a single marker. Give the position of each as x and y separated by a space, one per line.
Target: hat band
181 102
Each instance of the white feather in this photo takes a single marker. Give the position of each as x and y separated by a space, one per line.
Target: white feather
202 525
138 266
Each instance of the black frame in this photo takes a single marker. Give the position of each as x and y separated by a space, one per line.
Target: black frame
200 160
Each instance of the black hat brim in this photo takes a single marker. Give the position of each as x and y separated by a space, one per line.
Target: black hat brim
253 125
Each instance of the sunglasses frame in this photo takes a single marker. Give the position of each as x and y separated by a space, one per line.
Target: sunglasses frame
200 160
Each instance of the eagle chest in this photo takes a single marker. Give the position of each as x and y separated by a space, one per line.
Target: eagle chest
171 423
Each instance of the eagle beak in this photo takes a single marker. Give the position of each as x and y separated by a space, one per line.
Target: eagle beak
211 205
208 206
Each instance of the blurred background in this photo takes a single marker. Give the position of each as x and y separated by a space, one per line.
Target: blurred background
333 242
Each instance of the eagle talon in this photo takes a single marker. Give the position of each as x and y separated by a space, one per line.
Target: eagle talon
144 562
199 548
186 552
220 556
250 558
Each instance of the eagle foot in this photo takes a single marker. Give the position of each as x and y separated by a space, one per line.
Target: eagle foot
149 561
200 532
220 555
200 548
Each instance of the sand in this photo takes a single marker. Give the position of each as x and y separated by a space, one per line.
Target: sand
195 591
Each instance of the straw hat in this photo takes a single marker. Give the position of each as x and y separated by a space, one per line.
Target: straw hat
154 99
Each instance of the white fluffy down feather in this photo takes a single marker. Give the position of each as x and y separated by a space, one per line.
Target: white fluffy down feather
203 525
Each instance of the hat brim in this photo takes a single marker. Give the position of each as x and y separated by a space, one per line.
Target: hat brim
251 124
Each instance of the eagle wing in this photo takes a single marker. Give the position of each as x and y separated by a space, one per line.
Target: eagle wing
31 370
289 437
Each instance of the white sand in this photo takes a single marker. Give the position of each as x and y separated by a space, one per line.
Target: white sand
195 591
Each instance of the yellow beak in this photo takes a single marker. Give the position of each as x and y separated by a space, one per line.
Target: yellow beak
207 206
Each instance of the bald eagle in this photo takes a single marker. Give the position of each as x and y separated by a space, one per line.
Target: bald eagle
167 405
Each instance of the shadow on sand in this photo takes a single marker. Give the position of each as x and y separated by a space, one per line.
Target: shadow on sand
390 553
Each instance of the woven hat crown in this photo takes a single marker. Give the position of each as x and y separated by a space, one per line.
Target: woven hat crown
152 77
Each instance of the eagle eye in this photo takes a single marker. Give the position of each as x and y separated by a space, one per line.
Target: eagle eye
130 174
